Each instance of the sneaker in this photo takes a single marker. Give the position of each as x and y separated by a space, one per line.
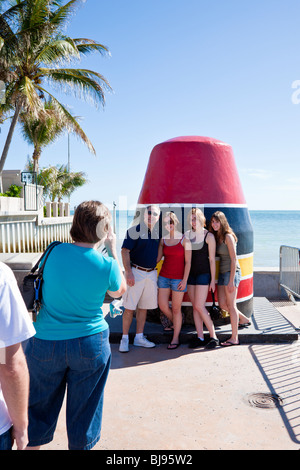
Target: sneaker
143 342
124 345
213 343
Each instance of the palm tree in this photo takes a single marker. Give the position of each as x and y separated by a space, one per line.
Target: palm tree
59 182
42 132
70 181
35 52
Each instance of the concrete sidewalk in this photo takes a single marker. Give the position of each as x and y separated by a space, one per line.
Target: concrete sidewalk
268 325
187 399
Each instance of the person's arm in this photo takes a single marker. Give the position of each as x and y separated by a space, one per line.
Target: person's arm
110 245
187 263
211 242
127 267
229 240
14 378
160 251
118 293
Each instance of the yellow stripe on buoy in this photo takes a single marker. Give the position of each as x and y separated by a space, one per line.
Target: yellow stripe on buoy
246 264
159 266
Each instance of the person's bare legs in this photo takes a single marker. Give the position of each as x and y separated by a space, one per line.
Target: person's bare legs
200 300
222 301
127 320
163 302
177 298
141 315
197 317
233 312
242 318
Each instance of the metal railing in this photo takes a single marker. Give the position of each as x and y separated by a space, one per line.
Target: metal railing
290 271
33 235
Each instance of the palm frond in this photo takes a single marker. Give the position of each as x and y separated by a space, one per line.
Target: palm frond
86 46
60 16
58 50
84 83
71 122
10 15
42 132
36 13
29 97
59 182
7 23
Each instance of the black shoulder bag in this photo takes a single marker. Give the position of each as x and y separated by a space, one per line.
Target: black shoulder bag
32 284
215 310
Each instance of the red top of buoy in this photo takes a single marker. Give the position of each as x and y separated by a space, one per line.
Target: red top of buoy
194 138
192 170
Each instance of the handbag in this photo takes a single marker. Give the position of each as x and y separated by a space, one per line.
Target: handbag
215 310
32 284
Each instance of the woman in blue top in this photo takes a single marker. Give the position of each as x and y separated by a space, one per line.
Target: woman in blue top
71 347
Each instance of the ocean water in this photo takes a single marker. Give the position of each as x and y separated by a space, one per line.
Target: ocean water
271 230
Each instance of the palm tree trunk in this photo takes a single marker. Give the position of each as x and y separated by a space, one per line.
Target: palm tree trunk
8 142
35 157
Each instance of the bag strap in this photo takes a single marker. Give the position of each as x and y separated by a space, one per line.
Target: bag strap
213 297
45 254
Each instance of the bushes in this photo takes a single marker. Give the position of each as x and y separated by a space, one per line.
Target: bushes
13 191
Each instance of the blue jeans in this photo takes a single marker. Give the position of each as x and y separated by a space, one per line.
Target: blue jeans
81 365
6 441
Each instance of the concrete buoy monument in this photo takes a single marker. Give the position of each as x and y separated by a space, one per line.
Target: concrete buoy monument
195 171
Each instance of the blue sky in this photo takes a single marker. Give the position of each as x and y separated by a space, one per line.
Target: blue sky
216 68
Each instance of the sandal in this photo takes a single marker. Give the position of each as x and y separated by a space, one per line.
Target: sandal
244 325
173 345
226 344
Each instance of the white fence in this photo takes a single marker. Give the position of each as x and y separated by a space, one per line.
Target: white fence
33 197
31 200
31 234
290 270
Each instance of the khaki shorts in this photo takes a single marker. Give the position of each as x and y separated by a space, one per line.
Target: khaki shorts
144 292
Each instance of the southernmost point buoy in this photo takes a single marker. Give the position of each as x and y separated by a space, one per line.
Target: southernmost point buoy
187 172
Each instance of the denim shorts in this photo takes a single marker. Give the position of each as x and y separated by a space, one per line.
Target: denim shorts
81 365
166 283
199 280
6 441
224 278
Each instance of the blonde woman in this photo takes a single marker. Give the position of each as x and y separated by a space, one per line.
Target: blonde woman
175 249
202 276
229 274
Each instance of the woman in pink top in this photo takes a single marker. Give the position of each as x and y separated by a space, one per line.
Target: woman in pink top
175 249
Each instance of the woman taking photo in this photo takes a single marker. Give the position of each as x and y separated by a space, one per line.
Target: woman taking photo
175 249
71 348
202 276
229 274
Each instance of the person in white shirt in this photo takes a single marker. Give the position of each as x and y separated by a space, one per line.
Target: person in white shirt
15 327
